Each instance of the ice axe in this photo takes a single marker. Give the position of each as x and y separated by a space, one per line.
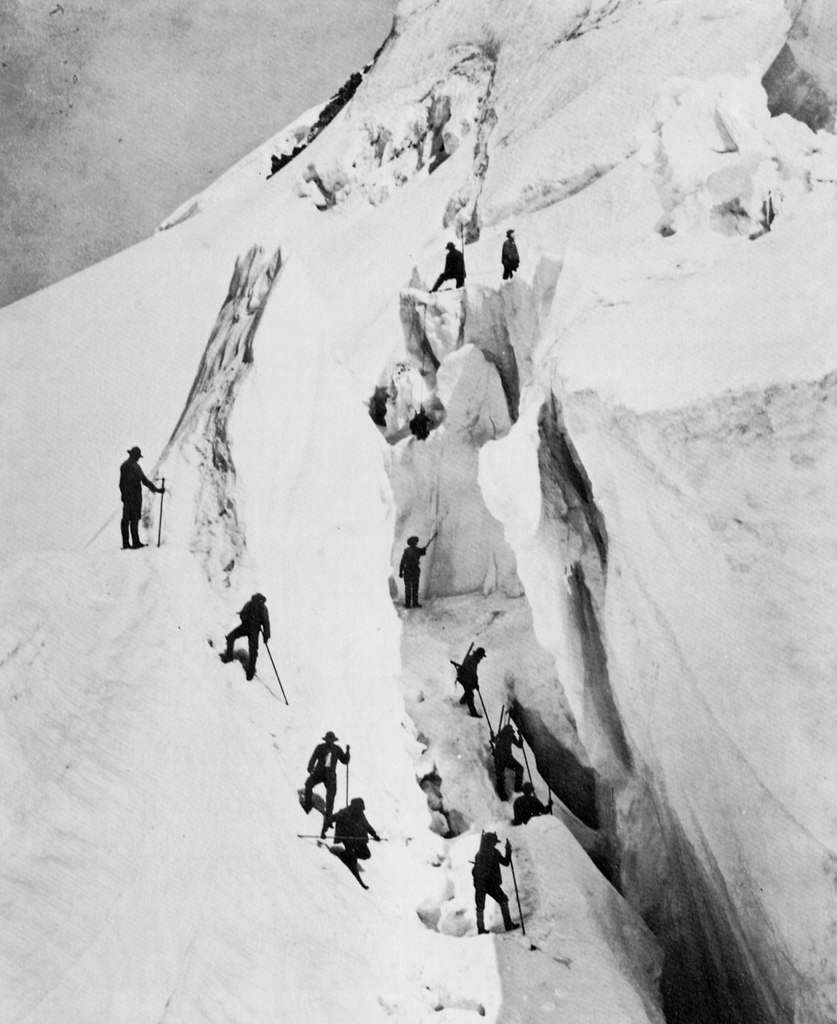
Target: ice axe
273 663
160 520
516 892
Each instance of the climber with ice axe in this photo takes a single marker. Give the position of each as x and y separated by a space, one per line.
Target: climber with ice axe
409 570
466 676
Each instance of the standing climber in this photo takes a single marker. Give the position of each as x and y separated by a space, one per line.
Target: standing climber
409 570
254 619
510 257
487 879
466 675
131 481
504 759
322 767
454 268
420 424
528 806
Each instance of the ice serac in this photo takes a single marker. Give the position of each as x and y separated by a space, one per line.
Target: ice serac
630 463
201 435
802 80
702 432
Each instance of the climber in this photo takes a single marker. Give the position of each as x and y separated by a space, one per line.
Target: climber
503 759
409 570
528 806
353 830
420 424
509 257
275 165
131 481
454 268
322 767
487 880
254 619
466 674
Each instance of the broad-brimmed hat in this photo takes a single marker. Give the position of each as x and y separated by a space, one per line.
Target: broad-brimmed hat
329 737
135 452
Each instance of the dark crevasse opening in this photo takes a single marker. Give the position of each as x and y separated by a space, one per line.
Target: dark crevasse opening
561 469
597 686
572 782
792 90
708 972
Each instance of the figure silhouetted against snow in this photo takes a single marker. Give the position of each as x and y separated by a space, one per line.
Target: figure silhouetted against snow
254 620
420 424
466 676
454 268
528 806
509 256
410 570
322 768
131 482
488 879
504 759
352 829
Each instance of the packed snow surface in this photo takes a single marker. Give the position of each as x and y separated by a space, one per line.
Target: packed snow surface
630 475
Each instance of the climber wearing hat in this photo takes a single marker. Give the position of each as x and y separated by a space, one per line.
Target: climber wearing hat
254 619
410 570
454 268
488 879
466 675
131 481
322 767
528 806
510 258
353 830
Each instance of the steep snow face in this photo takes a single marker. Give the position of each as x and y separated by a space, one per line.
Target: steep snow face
705 430
632 429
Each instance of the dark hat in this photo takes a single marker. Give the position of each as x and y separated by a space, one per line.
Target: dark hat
479 652
135 452
528 787
412 540
258 597
357 802
510 231
450 245
490 837
329 736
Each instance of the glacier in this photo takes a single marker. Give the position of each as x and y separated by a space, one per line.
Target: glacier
631 474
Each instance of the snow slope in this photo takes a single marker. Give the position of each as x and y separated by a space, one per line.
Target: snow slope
629 472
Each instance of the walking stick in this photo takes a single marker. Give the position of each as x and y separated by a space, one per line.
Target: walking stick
273 663
517 894
485 710
160 520
347 783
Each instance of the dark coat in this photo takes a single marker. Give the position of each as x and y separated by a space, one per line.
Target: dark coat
409 568
131 481
255 617
466 674
526 807
455 264
503 743
326 756
352 824
510 256
486 872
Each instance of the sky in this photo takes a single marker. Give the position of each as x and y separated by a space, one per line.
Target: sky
113 114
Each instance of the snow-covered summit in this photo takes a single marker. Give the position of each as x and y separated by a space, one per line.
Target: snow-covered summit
630 477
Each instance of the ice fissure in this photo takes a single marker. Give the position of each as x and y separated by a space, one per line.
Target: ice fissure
201 438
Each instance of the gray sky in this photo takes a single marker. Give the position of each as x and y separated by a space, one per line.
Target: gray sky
112 112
